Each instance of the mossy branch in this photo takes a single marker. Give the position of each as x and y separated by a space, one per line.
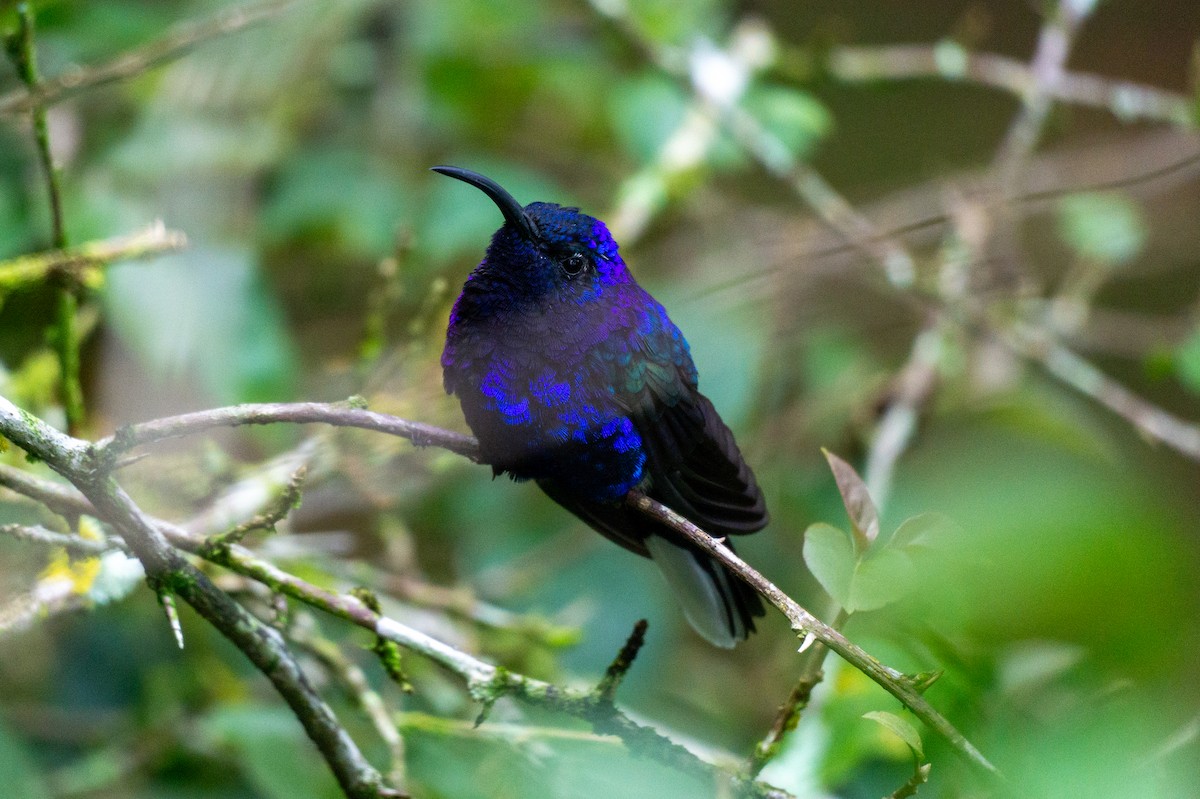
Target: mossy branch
82 265
167 570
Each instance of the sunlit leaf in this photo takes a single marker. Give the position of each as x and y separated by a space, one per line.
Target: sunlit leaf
924 530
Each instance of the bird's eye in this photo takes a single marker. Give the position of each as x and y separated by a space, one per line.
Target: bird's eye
574 264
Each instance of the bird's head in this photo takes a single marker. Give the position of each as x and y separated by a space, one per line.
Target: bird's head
544 248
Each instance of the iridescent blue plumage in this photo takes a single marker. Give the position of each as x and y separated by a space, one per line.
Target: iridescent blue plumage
570 374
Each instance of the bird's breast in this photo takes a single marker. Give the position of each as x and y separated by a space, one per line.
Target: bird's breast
538 392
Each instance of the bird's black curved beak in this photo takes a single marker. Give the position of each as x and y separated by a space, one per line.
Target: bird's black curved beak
512 210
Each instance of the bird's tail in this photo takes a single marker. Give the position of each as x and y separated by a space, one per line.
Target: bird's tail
717 603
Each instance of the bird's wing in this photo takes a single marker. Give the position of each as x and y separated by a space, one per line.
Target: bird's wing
694 464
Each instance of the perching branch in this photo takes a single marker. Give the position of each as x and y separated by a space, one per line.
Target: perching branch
348 414
483 679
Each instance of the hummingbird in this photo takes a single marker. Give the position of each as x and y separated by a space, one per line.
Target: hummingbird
571 375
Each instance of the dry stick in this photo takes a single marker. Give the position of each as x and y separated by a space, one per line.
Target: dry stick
166 569
805 623
1086 378
1047 68
175 44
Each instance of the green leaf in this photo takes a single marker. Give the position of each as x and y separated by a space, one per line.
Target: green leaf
1105 227
883 575
902 728
857 500
879 579
829 555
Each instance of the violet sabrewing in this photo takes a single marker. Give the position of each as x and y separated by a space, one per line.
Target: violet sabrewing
572 375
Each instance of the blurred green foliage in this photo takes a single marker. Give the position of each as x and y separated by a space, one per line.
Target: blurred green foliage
1062 607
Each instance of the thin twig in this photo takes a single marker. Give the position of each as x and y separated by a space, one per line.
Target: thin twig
919 777
275 511
788 714
913 385
49 598
1159 425
607 688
